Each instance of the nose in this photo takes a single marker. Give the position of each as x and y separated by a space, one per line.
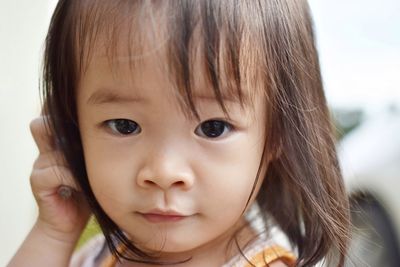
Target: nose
165 171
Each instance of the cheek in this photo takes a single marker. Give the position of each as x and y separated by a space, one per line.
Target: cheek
230 175
111 172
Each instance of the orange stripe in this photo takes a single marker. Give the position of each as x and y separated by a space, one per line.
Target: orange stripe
270 255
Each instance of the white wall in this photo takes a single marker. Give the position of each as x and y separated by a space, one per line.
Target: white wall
23 24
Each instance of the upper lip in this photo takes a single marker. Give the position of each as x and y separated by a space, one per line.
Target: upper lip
163 212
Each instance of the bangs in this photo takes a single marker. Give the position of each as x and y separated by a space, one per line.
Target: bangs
194 40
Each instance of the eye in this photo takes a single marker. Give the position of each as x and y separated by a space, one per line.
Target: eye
213 128
123 126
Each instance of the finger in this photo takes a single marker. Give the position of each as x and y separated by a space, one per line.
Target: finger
49 159
41 134
49 180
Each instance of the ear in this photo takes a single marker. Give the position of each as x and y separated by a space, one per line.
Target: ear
276 152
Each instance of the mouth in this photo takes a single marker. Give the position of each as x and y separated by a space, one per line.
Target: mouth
158 216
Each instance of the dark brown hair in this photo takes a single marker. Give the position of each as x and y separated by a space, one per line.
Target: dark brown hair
253 45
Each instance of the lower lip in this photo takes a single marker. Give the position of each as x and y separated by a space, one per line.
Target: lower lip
157 218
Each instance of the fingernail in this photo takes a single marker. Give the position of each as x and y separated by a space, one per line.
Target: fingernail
64 192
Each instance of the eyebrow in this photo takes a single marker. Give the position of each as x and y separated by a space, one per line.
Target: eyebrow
106 96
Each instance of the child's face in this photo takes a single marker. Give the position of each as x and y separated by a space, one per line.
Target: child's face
165 161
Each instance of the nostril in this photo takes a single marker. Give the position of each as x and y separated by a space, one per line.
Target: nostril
149 183
164 182
179 183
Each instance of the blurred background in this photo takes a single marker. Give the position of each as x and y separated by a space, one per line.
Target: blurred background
359 45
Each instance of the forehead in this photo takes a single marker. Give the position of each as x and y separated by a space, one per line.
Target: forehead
157 64
147 82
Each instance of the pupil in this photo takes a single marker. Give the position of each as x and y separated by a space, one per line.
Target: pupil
125 126
213 128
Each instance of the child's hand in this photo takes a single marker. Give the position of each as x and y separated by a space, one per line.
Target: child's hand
63 211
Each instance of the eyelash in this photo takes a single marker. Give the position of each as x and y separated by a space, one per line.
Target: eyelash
134 128
114 124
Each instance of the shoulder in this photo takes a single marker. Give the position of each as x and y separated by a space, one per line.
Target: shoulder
88 255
